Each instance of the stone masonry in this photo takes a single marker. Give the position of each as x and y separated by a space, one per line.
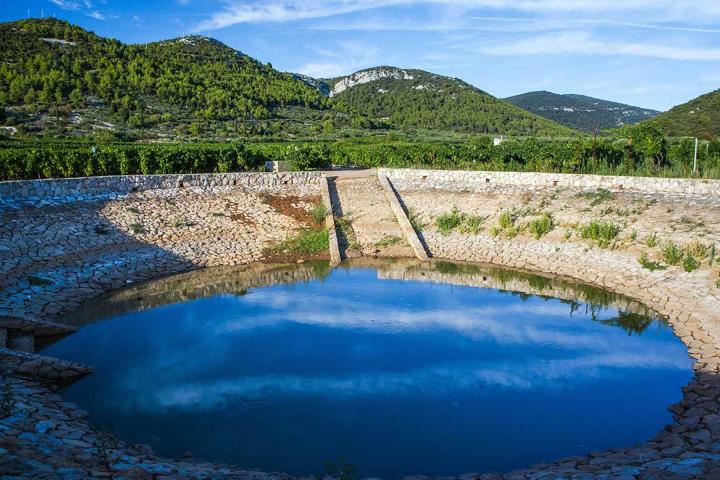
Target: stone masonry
63 242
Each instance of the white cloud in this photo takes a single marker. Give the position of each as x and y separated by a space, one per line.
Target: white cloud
80 5
235 12
582 43
539 374
96 15
67 4
347 57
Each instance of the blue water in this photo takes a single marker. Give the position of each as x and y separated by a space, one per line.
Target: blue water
392 377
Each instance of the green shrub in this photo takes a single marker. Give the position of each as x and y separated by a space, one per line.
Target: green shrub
601 232
690 264
541 226
137 228
464 222
472 224
672 254
308 156
651 241
597 197
319 212
306 242
506 220
447 222
42 159
414 220
650 264
388 241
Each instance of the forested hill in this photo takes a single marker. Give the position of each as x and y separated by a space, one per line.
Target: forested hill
59 80
581 112
418 99
50 66
699 117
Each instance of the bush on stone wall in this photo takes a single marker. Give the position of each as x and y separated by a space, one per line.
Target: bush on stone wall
28 160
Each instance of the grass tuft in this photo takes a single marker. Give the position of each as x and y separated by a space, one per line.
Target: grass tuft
672 254
651 240
690 264
541 226
447 222
319 212
306 242
597 197
651 265
388 241
602 232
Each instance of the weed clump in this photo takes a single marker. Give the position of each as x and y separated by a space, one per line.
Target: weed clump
466 223
648 264
690 264
414 220
506 220
447 222
319 212
472 224
388 241
672 254
651 240
137 228
602 232
597 197
346 230
541 226
306 242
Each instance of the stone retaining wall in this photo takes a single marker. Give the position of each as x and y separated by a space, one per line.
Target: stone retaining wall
53 233
58 191
468 180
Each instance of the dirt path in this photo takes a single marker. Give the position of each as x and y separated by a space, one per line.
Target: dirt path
365 222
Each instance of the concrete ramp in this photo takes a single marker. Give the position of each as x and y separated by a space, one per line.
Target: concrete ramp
365 222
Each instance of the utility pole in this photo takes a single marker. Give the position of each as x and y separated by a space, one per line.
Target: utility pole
695 157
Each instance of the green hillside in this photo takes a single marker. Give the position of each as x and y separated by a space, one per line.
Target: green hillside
417 99
581 112
54 75
699 117
58 80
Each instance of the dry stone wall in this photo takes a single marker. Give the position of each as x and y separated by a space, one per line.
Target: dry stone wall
65 241
468 180
57 191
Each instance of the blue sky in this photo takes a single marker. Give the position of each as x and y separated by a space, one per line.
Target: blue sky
651 53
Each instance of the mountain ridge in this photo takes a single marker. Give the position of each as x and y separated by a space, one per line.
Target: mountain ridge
414 98
581 112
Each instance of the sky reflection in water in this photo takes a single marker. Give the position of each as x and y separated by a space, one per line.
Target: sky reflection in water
395 377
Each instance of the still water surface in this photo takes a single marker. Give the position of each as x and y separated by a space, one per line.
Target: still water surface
388 367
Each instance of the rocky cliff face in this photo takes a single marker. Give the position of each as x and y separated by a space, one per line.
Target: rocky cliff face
367 76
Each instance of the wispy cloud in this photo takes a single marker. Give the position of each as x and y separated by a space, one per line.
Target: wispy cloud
96 15
553 374
582 43
346 57
67 4
84 6
235 12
